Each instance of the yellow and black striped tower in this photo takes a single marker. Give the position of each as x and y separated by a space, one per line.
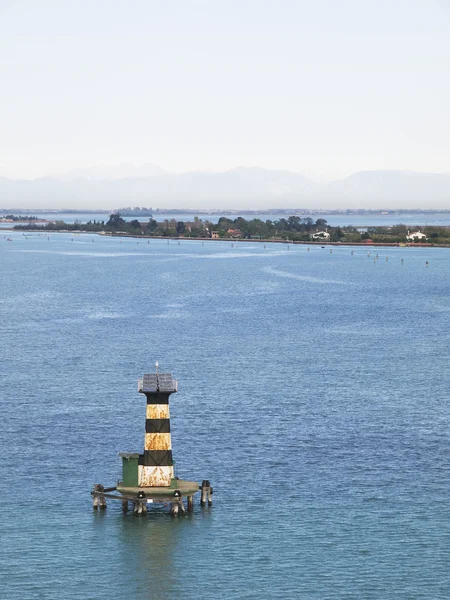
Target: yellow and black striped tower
156 464
150 477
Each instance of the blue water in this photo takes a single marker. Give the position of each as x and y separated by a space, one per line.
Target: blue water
313 393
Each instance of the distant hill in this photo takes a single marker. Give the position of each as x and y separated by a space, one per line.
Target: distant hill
402 189
242 187
112 173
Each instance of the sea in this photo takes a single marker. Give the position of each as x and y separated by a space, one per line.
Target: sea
313 394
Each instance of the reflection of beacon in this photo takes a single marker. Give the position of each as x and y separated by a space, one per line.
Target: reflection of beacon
150 477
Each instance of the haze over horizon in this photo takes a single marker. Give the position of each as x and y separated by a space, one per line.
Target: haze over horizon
321 90
240 188
127 170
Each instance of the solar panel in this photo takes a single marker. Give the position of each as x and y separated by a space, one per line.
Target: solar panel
162 382
150 383
166 383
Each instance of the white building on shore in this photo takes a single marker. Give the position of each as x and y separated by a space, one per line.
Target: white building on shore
416 235
320 235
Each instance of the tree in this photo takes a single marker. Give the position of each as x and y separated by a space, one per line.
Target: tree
337 235
308 223
321 223
224 224
152 225
294 223
116 221
281 225
180 227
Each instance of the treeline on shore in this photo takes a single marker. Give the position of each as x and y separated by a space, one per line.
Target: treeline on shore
225 227
293 228
14 218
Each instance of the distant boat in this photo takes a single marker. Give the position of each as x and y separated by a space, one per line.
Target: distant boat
9 239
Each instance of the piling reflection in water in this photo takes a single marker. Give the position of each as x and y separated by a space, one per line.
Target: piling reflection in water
145 550
148 552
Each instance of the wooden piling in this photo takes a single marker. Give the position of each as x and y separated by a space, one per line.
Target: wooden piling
99 501
206 494
190 503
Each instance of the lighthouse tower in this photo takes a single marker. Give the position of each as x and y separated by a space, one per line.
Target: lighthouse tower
150 477
156 464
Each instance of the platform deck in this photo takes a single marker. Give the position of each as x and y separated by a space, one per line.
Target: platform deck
187 488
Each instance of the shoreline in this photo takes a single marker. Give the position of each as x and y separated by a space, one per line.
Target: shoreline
234 240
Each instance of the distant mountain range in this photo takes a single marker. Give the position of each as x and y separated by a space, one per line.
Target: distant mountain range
112 173
149 185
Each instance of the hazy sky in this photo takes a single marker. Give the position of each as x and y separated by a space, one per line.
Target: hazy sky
321 87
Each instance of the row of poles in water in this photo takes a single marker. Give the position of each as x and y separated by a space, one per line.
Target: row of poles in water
369 254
